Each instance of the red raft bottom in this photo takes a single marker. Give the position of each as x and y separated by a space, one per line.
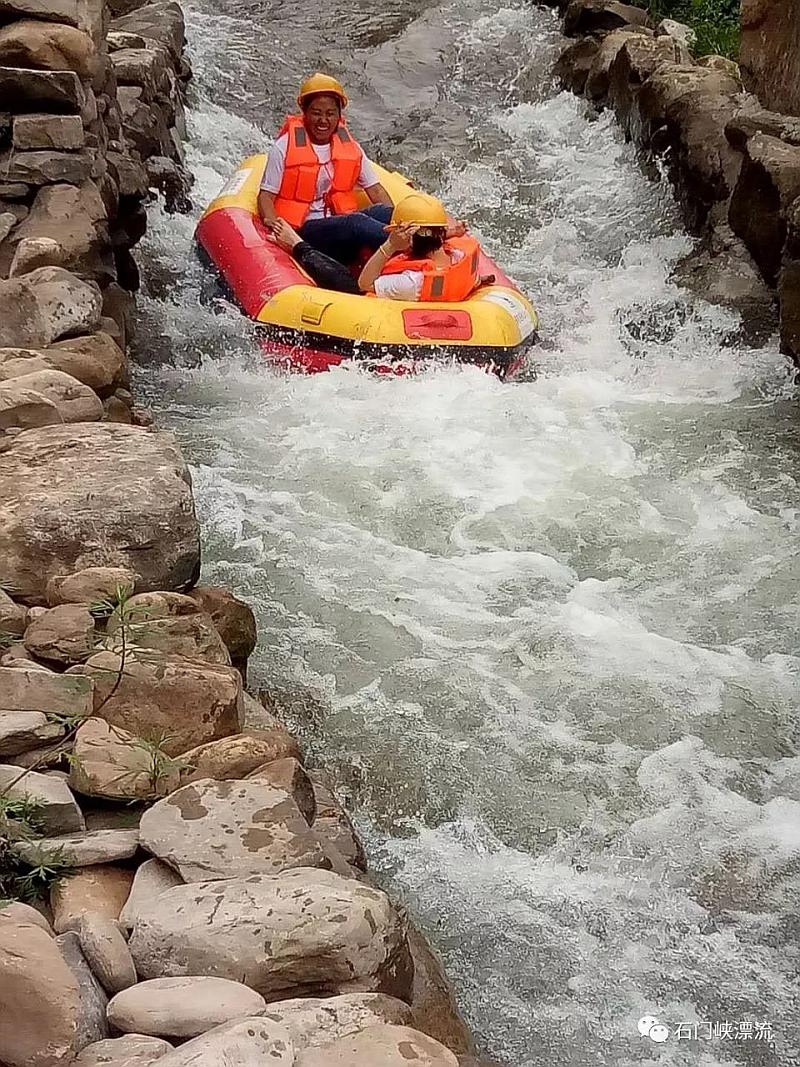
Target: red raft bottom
301 358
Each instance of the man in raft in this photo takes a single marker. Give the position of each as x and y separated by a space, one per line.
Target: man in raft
417 261
313 171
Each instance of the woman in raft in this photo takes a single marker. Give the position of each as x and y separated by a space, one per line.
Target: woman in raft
425 257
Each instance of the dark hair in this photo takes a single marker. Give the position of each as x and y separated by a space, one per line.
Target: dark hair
309 100
422 244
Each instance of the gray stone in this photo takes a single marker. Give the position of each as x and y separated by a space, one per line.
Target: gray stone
48 131
182 1007
38 90
132 1050
85 14
601 16
57 809
679 30
83 850
107 953
39 690
228 829
21 731
312 1021
14 191
46 166
152 879
252 930
162 22
7 224
92 1025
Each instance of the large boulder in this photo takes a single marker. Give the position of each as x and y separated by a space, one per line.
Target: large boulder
768 186
92 1022
238 756
34 690
234 620
770 52
182 1007
58 91
162 22
25 408
249 1042
332 822
229 830
290 776
132 1050
62 635
37 988
46 305
188 632
85 14
145 67
82 850
433 1007
302 931
12 618
601 16
633 64
47 131
110 763
387 1045
574 63
151 879
312 1021
21 731
107 953
56 808
46 165
139 513
90 585
99 890
95 360
746 122
597 77
178 703
47 46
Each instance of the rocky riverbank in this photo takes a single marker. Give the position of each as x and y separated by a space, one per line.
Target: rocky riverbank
735 166
175 884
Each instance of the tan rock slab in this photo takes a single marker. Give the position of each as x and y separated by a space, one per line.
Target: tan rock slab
312 1021
191 636
182 1007
305 930
35 985
98 890
92 1022
25 408
290 776
62 635
84 850
251 1042
332 822
12 616
21 731
132 1050
234 757
234 620
106 952
47 131
40 691
180 701
91 585
24 913
229 829
56 808
109 762
389 1046
151 879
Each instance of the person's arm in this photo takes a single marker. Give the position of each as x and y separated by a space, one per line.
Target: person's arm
378 195
399 240
271 182
266 208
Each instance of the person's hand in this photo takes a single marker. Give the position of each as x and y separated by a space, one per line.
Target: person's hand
456 228
399 239
284 235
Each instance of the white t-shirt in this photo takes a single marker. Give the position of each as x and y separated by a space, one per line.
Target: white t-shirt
408 284
276 161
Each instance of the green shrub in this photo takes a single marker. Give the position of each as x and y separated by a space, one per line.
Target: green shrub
716 23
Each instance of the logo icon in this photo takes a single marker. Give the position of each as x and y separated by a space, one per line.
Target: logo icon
649 1026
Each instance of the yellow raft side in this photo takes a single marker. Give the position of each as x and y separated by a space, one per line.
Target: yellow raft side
501 316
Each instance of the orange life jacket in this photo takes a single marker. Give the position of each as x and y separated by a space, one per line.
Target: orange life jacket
301 170
449 284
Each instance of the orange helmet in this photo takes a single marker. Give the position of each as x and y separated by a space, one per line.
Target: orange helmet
321 83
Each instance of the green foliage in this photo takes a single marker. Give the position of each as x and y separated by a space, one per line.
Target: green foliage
25 880
716 23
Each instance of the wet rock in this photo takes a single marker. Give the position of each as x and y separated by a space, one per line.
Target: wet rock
433 1008
90 585
107 953
24 913
53 91
36 986
749 121
66 305
117 411
228 830
332 822
140 513
769 51
57 811
40 691
132 1050
98 890
146 129
600 16
633 64
312 1021
63 635
769 183
129 174
250 1042
171 181
151 879
92 1024
182 1007
789 286
186 703
21 731
575 62
474 1061
235 757
111 763
83 850
290 777
344 932
47 46
45 166
233 619
597 78
390 1046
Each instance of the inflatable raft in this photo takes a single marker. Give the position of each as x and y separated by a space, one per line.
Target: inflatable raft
313 329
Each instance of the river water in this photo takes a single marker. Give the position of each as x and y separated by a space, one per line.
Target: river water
544 632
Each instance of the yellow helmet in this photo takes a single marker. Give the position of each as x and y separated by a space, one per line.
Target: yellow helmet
419 209
321 83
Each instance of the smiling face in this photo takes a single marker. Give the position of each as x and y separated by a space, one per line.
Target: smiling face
321 117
